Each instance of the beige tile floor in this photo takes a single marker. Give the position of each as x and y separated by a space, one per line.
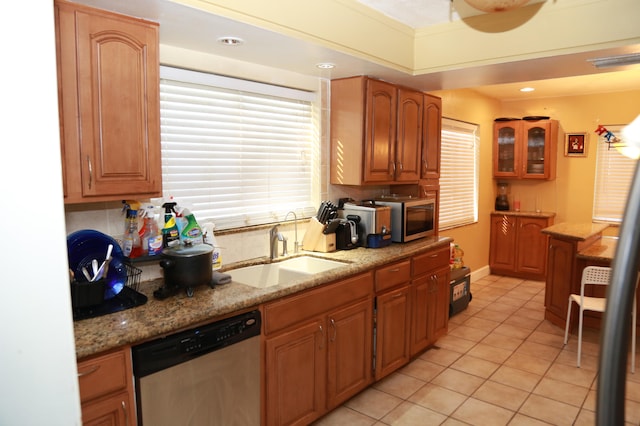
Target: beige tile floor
500 364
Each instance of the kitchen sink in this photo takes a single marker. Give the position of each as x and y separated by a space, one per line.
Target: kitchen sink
282 273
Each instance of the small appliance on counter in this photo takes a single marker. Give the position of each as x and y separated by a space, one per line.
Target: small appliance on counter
347 233
374 229
185 267
502 202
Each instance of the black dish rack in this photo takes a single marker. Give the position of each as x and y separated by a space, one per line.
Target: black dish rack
127 298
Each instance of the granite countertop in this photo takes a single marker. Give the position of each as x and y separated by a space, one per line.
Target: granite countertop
162 317
523 213
602 250
575 231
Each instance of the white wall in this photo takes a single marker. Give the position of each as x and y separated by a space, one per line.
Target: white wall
39 376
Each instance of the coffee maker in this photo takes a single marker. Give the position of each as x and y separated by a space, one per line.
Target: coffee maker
502 202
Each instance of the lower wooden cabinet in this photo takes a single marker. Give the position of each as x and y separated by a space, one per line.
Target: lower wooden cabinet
106 389
318 350
518 248
430 298
393 325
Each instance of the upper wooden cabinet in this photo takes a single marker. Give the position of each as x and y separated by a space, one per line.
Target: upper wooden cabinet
525 149
108 87
431 137
379 131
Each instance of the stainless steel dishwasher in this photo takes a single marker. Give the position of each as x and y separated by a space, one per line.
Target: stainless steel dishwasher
207 375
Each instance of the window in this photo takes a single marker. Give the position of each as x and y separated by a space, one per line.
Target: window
236 152
614 173
458 174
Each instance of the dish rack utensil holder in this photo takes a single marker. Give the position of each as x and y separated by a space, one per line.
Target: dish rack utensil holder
133 276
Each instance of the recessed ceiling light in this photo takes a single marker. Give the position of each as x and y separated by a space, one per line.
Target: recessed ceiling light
325 65
527 89
230 41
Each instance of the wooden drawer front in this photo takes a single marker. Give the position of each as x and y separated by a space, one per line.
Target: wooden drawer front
292 310
393 275
103 375
431 260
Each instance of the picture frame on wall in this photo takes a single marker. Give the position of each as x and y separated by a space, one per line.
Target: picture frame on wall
575 144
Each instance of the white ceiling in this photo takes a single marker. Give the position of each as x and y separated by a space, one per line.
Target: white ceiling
193 29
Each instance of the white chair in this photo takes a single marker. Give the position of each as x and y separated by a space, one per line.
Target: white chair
597 275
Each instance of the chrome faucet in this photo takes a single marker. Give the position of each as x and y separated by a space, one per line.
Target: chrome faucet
273 242
296 244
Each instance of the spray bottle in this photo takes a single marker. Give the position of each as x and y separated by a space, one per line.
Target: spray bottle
191 232
170 234
132 246
210 239
151 235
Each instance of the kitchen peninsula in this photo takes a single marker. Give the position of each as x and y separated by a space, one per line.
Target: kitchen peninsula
572 247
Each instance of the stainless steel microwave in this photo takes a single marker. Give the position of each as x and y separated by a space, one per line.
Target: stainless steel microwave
411 218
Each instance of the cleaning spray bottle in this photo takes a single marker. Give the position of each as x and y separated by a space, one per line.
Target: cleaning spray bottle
132 246
191 232
170 234
151 237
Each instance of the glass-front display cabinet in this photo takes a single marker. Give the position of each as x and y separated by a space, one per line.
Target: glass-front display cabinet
525 149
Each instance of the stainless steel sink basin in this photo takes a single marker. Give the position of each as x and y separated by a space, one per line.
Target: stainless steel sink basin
282 273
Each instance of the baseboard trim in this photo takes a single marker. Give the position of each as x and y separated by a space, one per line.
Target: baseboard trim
480 273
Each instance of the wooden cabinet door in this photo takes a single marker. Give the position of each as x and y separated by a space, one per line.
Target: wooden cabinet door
539 149
502 253
380 132
532 246
392 331
420 329
409 137
118 89
112 411
560 267
350 351
295 385
108 76
440 293
431 137
506 148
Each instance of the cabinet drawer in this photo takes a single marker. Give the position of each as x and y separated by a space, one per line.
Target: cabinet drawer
292 310
102 375
430 260
393 275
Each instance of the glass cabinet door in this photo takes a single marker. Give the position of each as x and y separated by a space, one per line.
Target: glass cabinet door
535 150
506 156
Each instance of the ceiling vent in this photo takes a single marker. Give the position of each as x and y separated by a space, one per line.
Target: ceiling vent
616 61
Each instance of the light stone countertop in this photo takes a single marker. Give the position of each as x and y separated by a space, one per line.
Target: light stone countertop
159 318
602 250
575 231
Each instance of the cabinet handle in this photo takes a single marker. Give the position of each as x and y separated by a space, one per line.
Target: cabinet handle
335 330
426 164
393 169
322 340
91 371
400 167
90 171
126 413
394 270
395 296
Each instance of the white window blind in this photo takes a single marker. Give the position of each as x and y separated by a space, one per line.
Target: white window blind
458 174
235 152
614 173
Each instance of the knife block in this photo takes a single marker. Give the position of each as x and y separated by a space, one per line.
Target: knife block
315 240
